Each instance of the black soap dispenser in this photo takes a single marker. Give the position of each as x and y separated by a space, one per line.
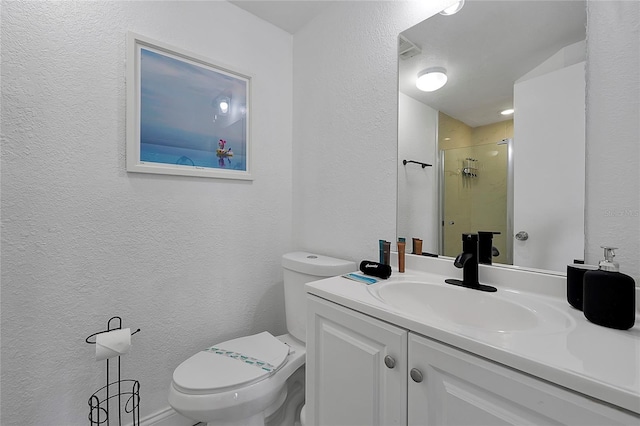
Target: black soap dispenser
609 297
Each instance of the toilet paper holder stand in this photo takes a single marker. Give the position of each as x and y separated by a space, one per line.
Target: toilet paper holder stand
104 398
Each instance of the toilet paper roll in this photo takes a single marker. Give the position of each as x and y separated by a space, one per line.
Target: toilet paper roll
113 343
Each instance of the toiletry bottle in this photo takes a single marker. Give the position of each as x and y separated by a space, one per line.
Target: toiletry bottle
401 249
417 246
381 243
387 253
575 280
609 297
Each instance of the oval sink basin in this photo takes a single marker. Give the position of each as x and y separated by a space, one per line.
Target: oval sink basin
504 311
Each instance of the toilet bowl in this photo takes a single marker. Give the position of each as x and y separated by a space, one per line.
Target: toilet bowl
259 379
207 387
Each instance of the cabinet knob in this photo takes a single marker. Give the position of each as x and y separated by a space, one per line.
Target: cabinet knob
416 375
389 361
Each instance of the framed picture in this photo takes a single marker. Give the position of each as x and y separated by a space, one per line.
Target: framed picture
185 114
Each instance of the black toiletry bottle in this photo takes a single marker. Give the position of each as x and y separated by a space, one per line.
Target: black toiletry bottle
609 297
575 282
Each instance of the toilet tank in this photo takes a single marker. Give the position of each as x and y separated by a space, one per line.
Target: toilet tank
300 268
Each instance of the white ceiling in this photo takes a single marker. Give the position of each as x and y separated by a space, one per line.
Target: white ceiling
485 48
290 15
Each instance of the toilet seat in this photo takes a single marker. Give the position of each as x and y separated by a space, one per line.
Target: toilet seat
231 364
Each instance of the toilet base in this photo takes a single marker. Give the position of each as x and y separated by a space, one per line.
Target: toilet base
286 410
288 413
257 420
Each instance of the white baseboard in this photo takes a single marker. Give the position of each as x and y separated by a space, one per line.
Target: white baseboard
166 417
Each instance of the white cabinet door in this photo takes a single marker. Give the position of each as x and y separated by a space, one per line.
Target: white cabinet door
458 388
356 368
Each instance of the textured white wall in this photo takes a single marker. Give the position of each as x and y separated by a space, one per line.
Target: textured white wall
345 125
613 132
190 261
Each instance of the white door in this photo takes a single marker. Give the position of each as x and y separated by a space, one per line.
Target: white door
549 169
356 368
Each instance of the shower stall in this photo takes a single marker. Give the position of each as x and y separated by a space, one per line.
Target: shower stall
476 194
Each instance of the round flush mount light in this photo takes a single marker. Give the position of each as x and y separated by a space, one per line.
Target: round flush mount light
454 8
507 111
431 79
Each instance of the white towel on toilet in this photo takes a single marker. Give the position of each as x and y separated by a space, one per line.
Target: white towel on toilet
262 349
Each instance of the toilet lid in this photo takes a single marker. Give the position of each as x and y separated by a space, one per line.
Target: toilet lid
230 364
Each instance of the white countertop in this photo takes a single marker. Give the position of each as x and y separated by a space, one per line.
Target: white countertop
597 361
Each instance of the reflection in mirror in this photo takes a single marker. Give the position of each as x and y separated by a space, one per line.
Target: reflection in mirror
518 174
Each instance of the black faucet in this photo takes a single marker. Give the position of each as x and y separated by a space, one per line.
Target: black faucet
468 261
486 250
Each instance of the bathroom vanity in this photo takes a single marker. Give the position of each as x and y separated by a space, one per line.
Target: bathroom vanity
413 350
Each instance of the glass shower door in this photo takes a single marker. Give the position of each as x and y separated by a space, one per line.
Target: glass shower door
474 196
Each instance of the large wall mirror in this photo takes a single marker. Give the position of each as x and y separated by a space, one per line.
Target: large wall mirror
464 166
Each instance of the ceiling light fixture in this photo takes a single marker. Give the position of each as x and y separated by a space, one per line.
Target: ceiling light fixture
431 79
454 8
508 111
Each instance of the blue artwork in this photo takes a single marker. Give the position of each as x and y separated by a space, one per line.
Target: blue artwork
191 114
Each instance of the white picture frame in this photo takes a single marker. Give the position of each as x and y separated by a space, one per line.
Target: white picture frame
185 114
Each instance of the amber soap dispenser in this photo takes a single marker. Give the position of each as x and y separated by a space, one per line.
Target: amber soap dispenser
609 297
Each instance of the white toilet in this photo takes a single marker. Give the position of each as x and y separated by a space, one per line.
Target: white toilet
259 379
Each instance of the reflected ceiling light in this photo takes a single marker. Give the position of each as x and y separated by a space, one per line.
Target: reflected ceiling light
454 8
431 79
507 111
224 106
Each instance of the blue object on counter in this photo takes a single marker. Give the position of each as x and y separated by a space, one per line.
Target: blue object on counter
382 251
360 278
